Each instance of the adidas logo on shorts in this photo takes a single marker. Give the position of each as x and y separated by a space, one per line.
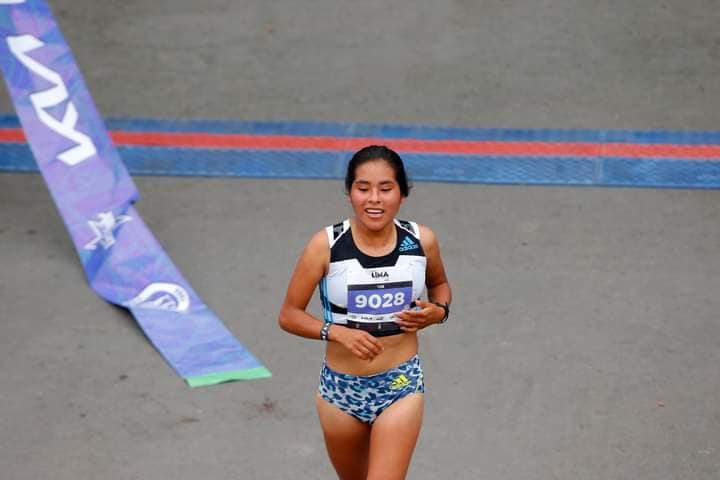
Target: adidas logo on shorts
399 382
408 244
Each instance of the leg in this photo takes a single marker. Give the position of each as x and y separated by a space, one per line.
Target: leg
393 438
347 440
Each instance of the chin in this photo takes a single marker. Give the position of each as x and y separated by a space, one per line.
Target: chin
375 224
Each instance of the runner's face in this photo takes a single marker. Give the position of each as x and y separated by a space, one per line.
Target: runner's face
375 194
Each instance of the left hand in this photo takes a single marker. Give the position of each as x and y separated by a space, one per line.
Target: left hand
414 320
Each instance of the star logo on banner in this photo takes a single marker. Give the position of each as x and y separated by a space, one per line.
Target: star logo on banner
103 227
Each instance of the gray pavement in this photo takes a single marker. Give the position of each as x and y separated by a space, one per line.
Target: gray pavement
585 339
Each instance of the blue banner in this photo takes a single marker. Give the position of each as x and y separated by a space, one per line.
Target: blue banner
94 193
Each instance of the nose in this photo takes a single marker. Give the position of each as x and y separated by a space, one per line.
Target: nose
374 196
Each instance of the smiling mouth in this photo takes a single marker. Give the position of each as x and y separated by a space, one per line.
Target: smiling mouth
374 212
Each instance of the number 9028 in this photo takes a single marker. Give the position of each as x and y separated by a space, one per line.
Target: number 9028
377 300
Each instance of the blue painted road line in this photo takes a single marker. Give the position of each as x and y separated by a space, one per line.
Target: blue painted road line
320 150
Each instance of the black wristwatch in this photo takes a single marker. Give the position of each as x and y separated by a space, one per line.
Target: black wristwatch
445 306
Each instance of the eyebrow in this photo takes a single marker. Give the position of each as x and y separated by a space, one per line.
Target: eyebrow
384 182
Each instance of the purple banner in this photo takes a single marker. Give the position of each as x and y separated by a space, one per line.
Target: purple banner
94 193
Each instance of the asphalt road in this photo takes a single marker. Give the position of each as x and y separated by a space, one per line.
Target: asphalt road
584 342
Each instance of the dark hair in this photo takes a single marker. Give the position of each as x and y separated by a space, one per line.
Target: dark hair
378 152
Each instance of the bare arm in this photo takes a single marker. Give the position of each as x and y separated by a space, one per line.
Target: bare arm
437 285
309 270
294 319
436 281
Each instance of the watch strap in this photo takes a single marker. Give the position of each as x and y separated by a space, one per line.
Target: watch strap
446 307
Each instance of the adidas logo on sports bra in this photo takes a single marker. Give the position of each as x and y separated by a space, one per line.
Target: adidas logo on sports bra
407 244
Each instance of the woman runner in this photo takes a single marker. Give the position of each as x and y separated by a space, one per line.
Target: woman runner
371 270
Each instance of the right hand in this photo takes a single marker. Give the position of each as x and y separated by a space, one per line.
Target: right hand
359 342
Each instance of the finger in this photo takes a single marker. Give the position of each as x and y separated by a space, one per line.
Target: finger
374 347
370 355
405 314
408 328
414 320
422 313
412 323
373 341
404 323
422 303
361 346
361 353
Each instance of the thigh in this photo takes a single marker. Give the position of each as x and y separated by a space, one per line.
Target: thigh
393 438
347 440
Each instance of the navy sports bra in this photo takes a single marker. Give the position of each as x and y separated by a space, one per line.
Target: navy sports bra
362 291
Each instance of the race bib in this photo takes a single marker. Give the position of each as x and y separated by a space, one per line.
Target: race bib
373 296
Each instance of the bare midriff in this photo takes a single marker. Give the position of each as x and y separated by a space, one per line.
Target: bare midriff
397 349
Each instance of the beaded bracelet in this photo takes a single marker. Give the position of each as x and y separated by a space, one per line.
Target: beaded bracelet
324 331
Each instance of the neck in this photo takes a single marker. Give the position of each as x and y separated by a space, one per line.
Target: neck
373 238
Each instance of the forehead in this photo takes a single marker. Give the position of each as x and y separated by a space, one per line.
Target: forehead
375 171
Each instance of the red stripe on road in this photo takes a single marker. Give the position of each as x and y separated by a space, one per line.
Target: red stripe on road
638 150
454 147
294 142
12 135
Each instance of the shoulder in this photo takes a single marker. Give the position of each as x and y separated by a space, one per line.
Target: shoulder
323 241
316 253
420 231
428 239
318 243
